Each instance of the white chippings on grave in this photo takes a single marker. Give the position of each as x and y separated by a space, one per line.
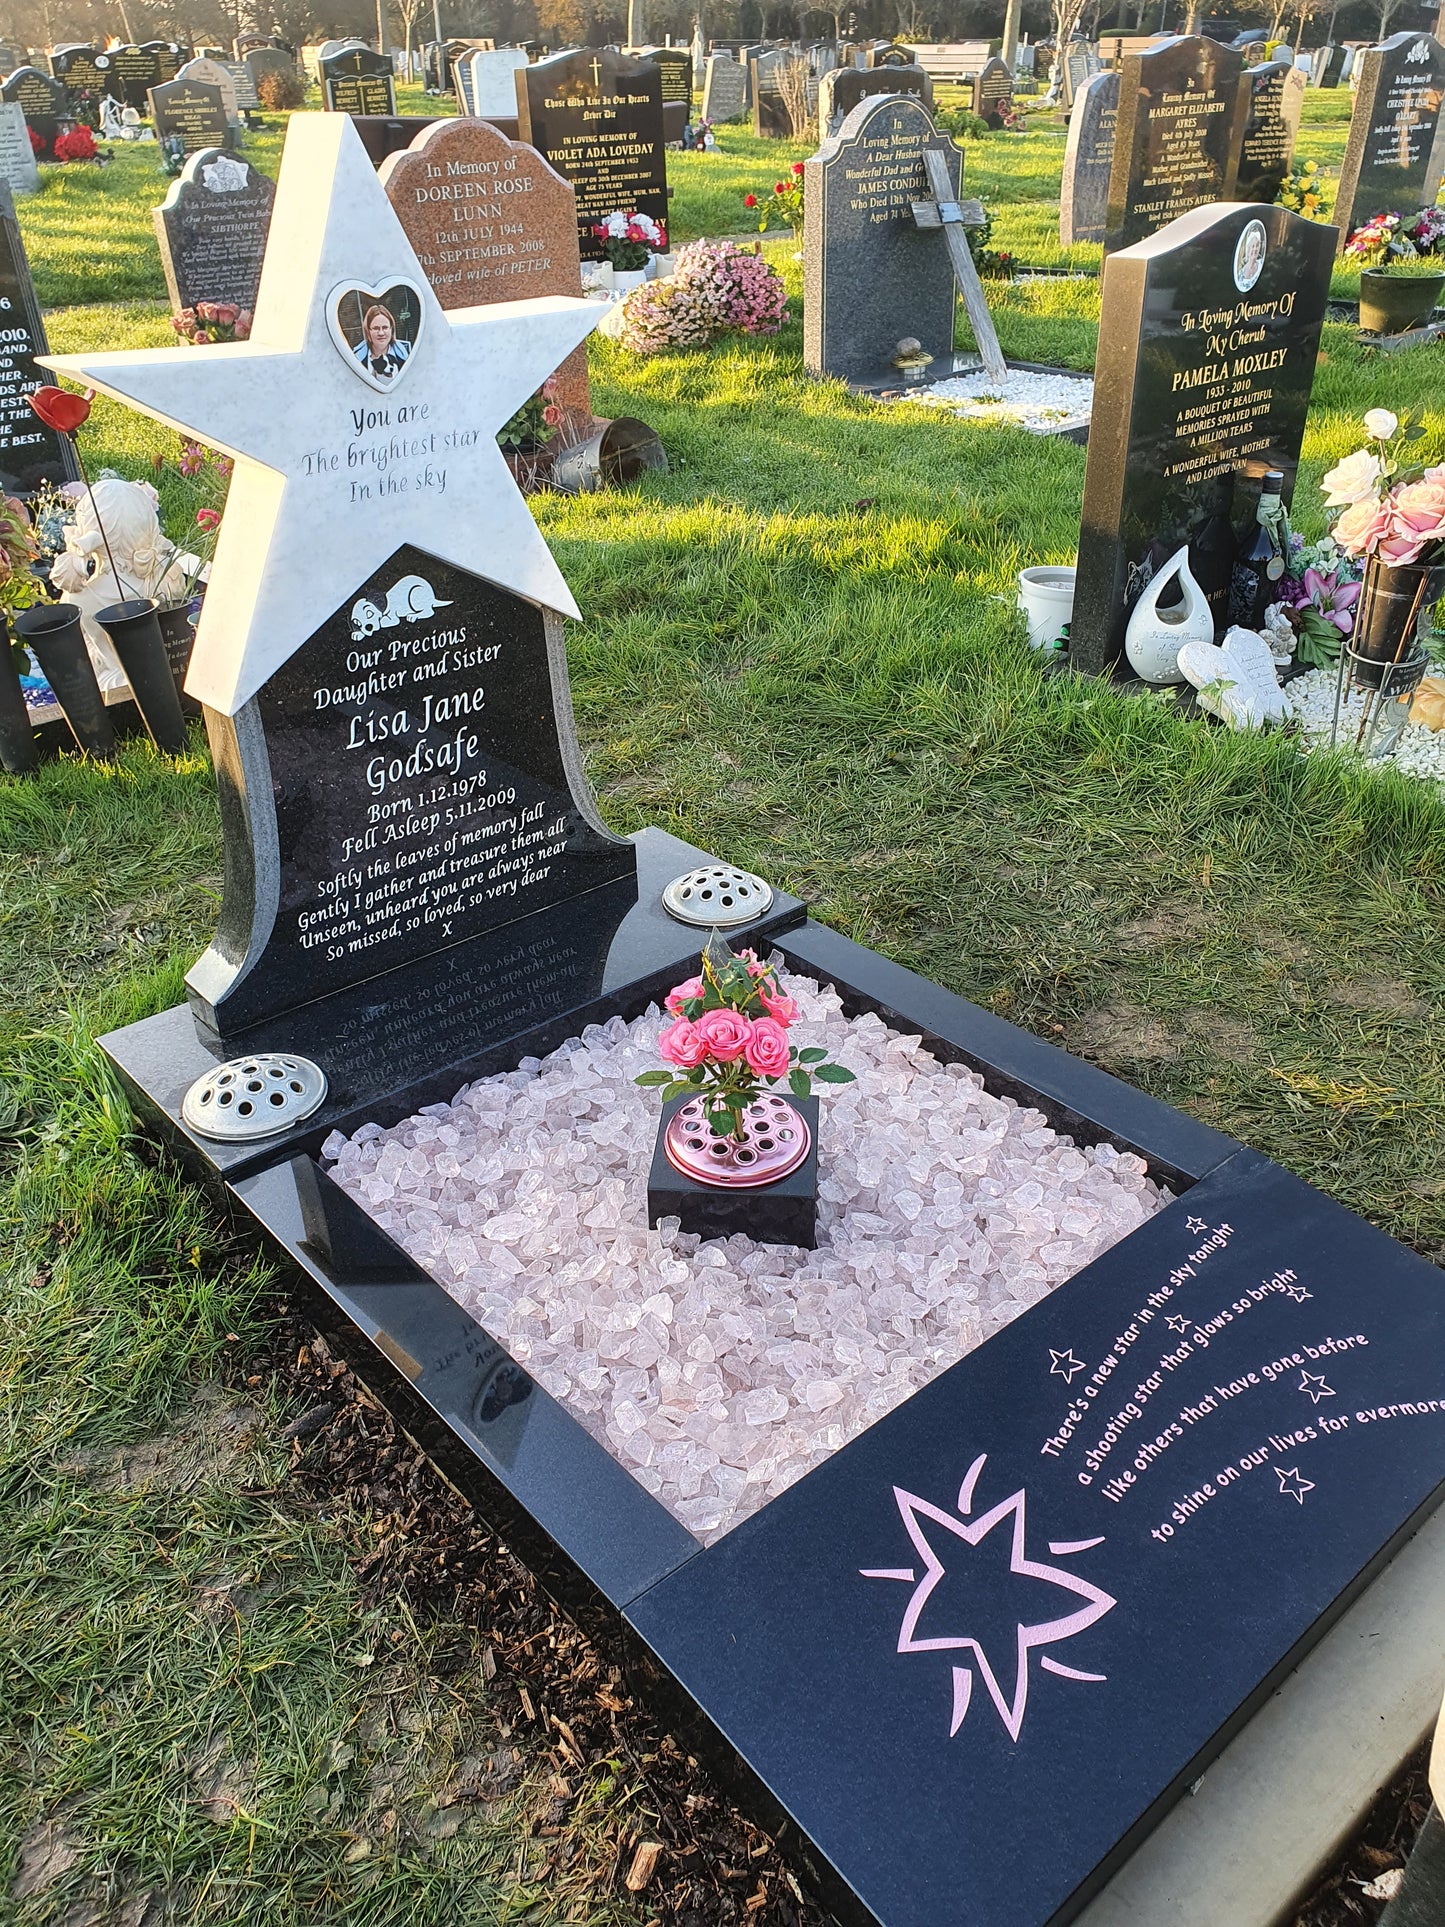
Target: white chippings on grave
721 1372
1043 404
1417 752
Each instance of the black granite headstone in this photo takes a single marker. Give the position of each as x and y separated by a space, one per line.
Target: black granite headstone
212 229
43 102
192 109
993 92
85 75
133 72
30 453
358 81
1207 343
771 119
675 66
1393 151
886 53
871 276
597 117
1276 98
975 1654
408 779
260 61
1088 160
1181 119
1329 66
841 89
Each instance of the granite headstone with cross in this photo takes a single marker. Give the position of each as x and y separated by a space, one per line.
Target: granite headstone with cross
212 229
354 80
380 648
1394 152
1208 336
1177 138
597 117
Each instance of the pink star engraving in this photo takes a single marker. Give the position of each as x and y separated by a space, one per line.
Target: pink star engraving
1010 1706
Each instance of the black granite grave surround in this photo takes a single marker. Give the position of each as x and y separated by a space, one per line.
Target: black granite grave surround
1031 1604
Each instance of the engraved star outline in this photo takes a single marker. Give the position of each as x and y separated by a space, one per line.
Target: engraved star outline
1292 1484
1011 1707
1194 1224
1064 1365
1177 1322
1314 1384
293 547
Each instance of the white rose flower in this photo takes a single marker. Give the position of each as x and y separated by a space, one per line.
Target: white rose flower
1354 478
1380 424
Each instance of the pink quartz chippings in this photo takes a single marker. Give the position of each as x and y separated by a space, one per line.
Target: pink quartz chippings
720 1372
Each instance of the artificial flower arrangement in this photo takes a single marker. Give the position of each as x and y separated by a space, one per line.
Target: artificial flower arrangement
535 422
213 321
1389 513
729 1038
785 202
1300 190
715 288
205 479
1318 594
629 239
1390 244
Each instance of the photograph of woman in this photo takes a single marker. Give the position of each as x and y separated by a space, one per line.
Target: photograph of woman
380 351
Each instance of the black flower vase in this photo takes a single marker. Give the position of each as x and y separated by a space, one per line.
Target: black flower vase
52 629
178 633
133 628
17 733
1391 603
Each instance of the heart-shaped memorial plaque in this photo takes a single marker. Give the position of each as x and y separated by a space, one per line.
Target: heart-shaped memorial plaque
376 328
1236 679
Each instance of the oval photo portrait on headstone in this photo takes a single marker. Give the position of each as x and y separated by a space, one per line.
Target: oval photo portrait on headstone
376 329
1249 257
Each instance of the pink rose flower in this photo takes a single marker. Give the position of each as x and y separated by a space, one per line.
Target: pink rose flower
780 1008
683 994
1418 514
766 1051
682 1044
724 1034
1362 526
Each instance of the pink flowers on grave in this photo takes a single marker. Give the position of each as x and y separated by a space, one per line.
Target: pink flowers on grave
729 1036
1389 513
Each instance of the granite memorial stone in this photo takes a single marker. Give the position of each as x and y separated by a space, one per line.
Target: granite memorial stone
354 80
871 278
18 167
261 61
243 85
771 119
193 110
724 90
489 220
212 229
891 53
1088 160
1208 337
486 82
1081 62
841 89
211 73
993 92
1394 152
133 73
597 117
30 452
1180 123
675 66
1329 66
44 104
1276 98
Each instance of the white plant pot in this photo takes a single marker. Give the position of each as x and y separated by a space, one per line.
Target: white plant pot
597 274
1155 636
660 266
1046 596
624 280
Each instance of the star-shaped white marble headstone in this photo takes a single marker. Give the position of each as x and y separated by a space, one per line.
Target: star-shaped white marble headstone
338 464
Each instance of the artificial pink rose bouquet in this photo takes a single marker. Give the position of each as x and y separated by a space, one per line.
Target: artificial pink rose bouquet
729 1037
1387 510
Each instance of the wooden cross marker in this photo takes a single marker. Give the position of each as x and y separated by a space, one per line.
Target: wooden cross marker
953 216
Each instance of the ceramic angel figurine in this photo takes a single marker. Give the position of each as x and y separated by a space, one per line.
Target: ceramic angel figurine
148 564
112 127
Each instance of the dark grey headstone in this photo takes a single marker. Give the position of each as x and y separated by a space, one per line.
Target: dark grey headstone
993 92
891 53
1329 66
212 229
597 117
409 779
841 89
1088 159
1276 98
771 120
261 61
30 453
1393 151
1206 355
43 102
1181 118
724 90
871 276
243 85
1081 63
133 72
675 66
194 110
85 72
358 81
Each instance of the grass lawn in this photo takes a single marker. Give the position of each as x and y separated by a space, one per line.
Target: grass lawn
799 651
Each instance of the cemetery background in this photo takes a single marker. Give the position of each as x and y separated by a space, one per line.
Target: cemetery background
221 1690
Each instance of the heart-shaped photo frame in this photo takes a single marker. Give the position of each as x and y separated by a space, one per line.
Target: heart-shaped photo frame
376 328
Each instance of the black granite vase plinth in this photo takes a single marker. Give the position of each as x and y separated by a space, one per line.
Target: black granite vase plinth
784 1212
